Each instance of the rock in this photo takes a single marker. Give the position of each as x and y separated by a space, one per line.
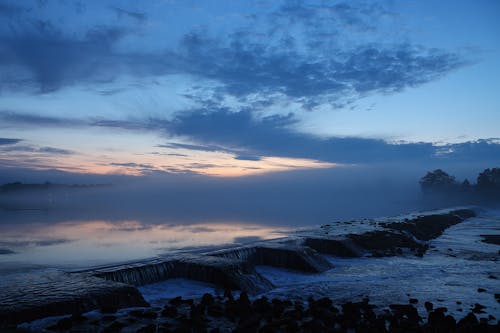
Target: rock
244 300
215 310
197 312
481 290
428 306
436 319
324 302
176 301
249 324
151 328
413 301
63 324
207 299
313 325
108 309
114 327
169 311
228 294
478 308
262 305
468 321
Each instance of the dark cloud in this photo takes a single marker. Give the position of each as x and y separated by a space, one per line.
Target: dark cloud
327 18
202 230
33 149
247 68
133 165
141 167
121 13
52 150
9 10
272 136
6 251
247 158
175 154
199 165
36 242
59 60
244 64
8 141
209 148
26 119
250 138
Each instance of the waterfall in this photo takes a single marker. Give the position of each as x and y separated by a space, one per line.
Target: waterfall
339 246
276 254
224 272
138 274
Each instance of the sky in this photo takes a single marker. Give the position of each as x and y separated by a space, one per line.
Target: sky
244 88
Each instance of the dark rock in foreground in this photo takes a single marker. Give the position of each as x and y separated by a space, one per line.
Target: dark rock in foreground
491 239
218 314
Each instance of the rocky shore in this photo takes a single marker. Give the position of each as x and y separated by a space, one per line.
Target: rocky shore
241 314
106 299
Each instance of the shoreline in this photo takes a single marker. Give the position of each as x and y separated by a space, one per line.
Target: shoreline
401 240
243 314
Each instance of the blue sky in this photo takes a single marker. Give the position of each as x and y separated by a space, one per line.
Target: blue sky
235 88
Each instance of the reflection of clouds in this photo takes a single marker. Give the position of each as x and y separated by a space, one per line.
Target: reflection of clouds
201 229
247 239
130 226
38 242
6 251
112 241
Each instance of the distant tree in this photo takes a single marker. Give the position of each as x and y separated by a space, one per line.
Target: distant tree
466 186
488 181
437 181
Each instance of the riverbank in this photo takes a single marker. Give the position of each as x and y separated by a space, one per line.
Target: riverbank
437 256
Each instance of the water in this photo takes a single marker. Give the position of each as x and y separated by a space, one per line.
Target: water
78 244
449 275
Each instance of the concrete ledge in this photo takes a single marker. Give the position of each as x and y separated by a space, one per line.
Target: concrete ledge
277 254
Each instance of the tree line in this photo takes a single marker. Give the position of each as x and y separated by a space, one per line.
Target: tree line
487 185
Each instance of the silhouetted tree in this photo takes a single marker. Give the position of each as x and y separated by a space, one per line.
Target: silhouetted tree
488 181
437 181
466 186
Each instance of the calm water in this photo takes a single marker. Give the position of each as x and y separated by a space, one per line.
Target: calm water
73 244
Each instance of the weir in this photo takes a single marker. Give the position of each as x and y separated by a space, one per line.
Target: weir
32 296
224 272
278 254
337 246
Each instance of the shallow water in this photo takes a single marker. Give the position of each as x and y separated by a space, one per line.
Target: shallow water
457 264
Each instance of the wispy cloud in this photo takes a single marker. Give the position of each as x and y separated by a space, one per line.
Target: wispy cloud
123 13
309 68
9 141
35 149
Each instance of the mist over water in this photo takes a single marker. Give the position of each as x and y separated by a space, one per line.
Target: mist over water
141 217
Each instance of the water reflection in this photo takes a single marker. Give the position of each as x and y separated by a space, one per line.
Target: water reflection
75 244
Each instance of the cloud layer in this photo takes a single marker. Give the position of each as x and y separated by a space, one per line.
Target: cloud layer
256 64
